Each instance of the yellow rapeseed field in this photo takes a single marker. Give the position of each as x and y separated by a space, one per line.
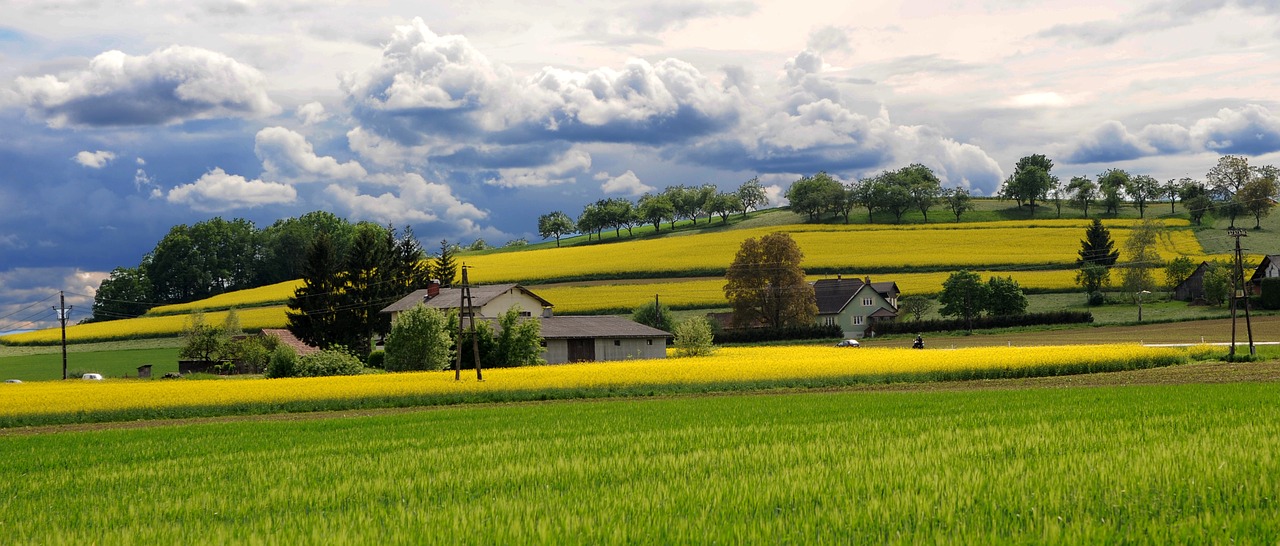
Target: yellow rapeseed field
251 319
707 292
253 297
728 365
831 247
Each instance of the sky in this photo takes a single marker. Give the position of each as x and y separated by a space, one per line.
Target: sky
468 120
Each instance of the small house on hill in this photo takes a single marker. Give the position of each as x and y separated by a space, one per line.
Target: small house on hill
855 305
489 300
564 338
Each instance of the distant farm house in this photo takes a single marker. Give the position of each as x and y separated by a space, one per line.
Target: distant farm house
856 305
564 339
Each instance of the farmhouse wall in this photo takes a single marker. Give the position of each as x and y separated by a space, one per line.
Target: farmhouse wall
557 350
500 304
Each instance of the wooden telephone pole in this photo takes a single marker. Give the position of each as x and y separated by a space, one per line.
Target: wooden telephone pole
1238 293
467 317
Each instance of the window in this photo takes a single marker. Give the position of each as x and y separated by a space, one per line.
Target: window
648 342
617 343
526 314
868 302
829 321
857 320
543 344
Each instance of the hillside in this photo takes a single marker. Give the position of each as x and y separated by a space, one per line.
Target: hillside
684 268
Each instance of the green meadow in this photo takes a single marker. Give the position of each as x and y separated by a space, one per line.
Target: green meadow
1152 464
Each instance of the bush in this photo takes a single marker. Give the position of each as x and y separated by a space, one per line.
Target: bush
760 335
693 337
1270 293
419 340
282 363
1029 319
326 363
377 359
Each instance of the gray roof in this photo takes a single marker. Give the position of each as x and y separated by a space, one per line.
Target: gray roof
451 298
834 294
587 326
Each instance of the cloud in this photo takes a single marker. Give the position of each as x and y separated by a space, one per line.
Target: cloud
1108 143
1251 130
170 85
311 113
426 85
1248 130
287 155
414 199
956 163
626 184
641 22
562 171
829 38
1154 17
217 191
94 160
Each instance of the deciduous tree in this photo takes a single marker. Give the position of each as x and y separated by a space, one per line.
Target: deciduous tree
963 295
766 285
554 224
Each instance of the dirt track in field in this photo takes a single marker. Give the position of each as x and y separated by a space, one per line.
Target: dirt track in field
1205 372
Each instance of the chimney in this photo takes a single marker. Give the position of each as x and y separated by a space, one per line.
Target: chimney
837 276
868 280
433 289
546 312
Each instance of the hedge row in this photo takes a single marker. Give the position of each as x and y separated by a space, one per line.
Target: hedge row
983 323
758 335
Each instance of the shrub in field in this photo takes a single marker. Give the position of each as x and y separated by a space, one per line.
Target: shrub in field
655 315
326 363
378 359
282 363
693 337
419 340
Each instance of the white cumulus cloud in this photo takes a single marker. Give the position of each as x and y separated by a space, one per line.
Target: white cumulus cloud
170 85
94 160
626 184
286 155
217 191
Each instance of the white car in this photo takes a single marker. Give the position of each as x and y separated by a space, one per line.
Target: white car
848 343
92 376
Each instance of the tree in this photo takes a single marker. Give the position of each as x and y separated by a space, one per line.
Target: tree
922 186
1217 282
684 201
285 243
367 285
654 209
1136 276
1256 197
593 219
1142 188
444 267
1031 180
888 192
723 204
1173 189
1195 198
814 195
693 337
518 342
1097 246
202 341
654 314
752 195
766 285
1093 278
964 296
125 293
915 306
1177 270
1110 185
958 201
555 224
313 309
1082 191
1005 297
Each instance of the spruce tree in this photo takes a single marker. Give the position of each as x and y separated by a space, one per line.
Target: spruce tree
1097 246
312 315
445 267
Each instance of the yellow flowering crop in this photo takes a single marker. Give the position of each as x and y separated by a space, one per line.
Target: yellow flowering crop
251 319
708 292
750 365
252 297
851 248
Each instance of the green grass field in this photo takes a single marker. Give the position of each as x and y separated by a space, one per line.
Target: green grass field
1155 464
111 359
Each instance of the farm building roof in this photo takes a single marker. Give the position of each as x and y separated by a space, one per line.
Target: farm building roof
451 298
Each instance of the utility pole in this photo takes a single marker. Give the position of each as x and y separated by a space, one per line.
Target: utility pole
467 313
1238 293
63 311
